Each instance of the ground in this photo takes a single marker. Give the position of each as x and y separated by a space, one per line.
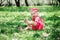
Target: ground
9 22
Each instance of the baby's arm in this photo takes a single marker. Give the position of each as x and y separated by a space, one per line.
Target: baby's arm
29 22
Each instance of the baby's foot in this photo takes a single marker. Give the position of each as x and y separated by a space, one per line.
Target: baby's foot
20 28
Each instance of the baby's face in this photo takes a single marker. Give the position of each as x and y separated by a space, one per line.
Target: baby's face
33 13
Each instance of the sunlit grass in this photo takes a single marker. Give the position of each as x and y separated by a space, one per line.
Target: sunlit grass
9 22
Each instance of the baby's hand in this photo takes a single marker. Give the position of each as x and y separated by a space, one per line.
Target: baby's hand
25 20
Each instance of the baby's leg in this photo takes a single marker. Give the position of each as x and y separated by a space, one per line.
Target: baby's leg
28 27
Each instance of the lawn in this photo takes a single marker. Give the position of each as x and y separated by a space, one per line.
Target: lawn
11 18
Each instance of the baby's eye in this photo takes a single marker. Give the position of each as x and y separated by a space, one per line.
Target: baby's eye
33 13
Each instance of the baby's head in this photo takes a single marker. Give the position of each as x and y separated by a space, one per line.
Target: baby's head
34 11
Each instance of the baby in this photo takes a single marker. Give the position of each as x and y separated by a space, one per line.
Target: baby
36 23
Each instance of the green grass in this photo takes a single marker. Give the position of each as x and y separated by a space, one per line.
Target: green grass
26 9
11 18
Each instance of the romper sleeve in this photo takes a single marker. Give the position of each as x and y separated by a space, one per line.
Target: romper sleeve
39 22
